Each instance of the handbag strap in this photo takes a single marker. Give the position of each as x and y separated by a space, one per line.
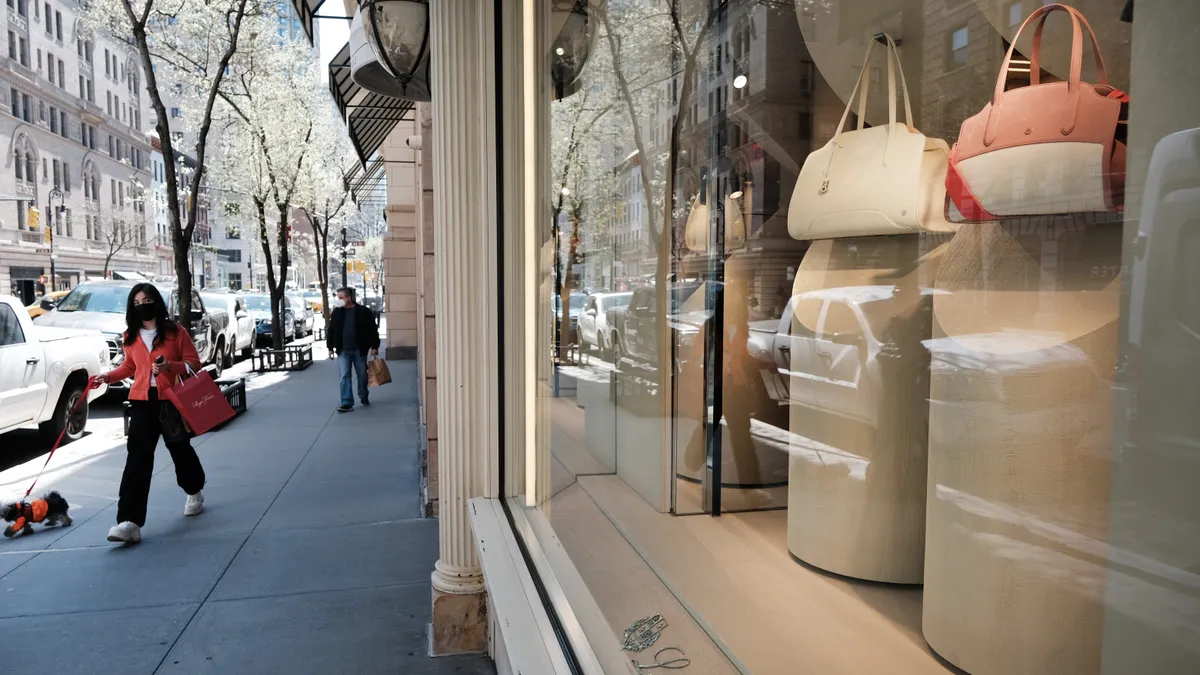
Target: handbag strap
862 87
1036 52
1073 78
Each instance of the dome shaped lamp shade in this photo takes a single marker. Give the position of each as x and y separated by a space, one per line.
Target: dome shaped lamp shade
398 32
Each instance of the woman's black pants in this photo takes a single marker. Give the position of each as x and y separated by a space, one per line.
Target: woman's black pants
144 432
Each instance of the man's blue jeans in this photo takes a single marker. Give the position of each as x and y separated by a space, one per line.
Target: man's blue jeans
347 359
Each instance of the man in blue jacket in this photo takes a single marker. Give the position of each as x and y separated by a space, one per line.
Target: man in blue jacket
351 335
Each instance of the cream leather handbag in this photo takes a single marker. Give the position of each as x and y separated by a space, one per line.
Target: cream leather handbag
883 180
695 231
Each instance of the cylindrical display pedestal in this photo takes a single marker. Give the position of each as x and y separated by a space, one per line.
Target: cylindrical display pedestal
1020 436
858 395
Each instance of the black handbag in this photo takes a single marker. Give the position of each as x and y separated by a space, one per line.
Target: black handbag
171 422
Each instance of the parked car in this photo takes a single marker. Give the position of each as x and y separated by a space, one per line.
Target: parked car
237 332
100 305
574 309
303 313
45 303
313 296
593 323
259 306
633 328
829 366
44 373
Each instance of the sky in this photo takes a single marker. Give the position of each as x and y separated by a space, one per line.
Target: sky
331 33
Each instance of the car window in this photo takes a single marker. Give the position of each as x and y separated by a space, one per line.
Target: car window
804 312
840 319
197 302
10 328
88 298
259 303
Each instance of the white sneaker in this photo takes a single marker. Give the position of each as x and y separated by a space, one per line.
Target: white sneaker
126 532
194 505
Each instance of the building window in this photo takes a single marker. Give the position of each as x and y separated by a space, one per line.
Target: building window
57 174
49 23
49 67
957 49
12 45
58 26
176 113
53 120
62 75
24 45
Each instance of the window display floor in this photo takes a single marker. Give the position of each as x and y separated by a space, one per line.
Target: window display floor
769 613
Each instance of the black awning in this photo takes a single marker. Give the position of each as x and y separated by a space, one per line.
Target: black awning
306 10
369 117
368 182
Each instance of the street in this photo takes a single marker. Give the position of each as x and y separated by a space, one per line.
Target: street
311 555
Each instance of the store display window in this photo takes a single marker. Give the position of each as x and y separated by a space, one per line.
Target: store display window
868 334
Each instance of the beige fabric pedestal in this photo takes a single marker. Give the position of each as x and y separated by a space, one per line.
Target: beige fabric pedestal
857 475
1020 436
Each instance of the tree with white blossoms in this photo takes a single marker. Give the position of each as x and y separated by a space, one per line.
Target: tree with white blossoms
270 105
329 198
586 130
188 44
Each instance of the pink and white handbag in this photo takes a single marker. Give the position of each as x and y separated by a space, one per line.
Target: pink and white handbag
1047 148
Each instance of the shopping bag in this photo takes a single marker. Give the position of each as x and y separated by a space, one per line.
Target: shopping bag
378 373
200 402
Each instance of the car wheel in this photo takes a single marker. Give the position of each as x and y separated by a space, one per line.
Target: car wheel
228 357
600 345
617 351
247 352
218 357
65 422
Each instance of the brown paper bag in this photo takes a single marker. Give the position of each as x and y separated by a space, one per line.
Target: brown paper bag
377 373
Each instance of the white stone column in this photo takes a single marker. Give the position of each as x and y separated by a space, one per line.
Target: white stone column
464 281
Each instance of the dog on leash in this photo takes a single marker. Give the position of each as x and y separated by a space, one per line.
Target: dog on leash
50 510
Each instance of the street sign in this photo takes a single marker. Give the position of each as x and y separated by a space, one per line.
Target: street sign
356 243
349 252
42 250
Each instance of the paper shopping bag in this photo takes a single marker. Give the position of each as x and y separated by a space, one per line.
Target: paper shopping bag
200 402
377 373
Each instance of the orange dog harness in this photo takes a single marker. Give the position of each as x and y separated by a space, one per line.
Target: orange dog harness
31 512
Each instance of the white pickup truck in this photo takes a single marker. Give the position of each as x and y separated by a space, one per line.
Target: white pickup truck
44 372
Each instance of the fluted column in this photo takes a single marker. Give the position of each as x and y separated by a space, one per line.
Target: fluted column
466 295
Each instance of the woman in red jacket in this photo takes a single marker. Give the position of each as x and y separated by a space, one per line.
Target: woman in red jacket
158 352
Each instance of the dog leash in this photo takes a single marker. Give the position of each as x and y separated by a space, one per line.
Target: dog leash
91 384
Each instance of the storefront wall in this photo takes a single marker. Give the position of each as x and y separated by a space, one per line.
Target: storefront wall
907 393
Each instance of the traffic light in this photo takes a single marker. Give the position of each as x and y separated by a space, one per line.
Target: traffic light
33 218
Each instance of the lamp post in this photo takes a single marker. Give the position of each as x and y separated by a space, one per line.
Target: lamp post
398 32
54 216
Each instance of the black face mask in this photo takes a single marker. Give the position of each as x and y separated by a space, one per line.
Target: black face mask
145 312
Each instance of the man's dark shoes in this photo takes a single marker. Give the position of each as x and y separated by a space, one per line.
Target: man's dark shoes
345 408
366 403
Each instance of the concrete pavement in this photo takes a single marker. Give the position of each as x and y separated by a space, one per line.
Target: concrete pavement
311 556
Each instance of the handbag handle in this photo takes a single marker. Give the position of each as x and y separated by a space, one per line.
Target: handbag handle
1036 51
861 88
1073 78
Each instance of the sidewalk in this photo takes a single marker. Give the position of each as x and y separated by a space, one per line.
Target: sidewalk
311 556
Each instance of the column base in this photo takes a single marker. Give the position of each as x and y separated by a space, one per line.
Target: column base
459 623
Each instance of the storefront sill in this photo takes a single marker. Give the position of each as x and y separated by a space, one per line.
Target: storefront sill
521 629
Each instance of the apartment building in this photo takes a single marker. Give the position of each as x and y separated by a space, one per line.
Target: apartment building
76 150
